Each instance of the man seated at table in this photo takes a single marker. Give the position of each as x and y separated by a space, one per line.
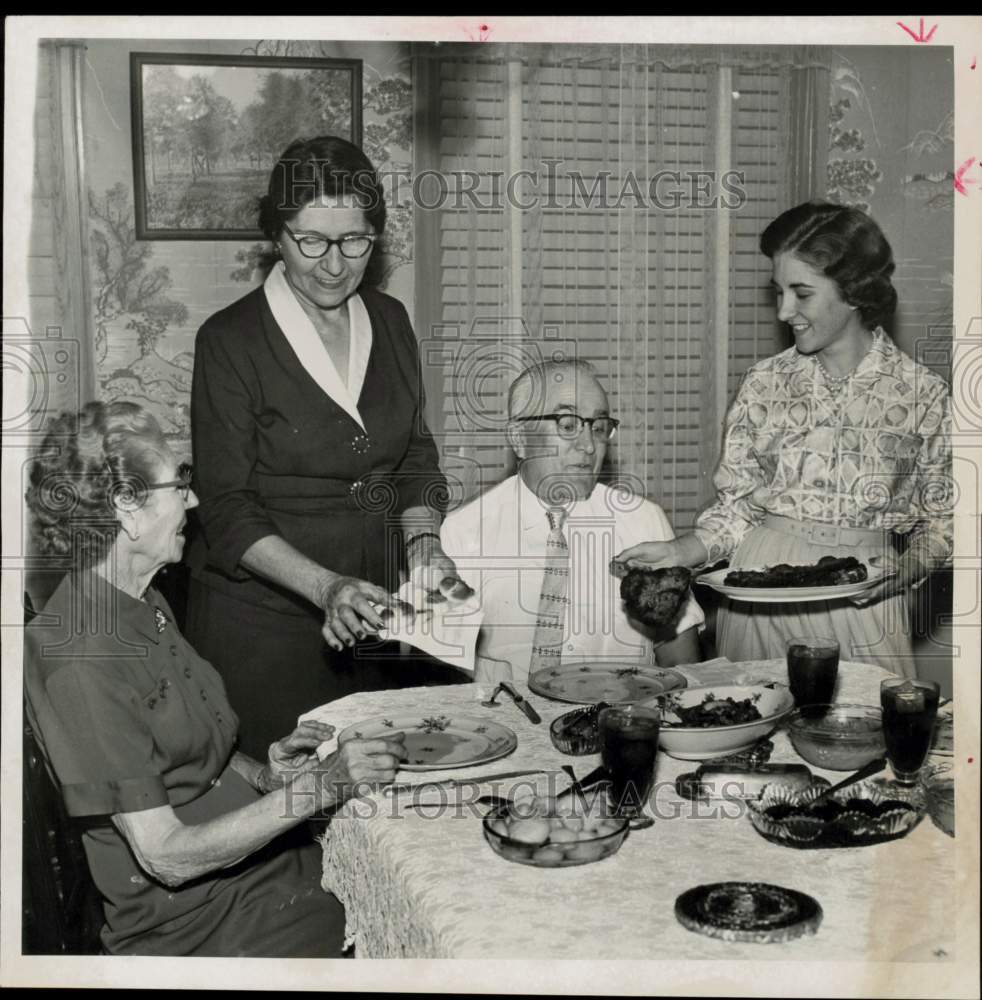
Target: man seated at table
538 546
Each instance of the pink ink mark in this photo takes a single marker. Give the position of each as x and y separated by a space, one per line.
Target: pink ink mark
971 760
920 37
973 62
483 32
960 179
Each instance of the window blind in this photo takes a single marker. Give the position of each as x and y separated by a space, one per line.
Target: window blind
614 268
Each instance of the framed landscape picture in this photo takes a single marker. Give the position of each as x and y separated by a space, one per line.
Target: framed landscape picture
208 129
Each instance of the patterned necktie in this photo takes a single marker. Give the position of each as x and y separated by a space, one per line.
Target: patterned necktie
550 623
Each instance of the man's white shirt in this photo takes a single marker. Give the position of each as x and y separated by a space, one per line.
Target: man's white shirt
498 542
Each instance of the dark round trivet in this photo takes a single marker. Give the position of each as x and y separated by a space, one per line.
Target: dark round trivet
748 911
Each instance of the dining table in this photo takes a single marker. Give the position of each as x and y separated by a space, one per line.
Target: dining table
419 880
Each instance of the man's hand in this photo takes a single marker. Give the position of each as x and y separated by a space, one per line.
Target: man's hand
434 573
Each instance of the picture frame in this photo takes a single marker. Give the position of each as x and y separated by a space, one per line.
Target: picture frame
207 130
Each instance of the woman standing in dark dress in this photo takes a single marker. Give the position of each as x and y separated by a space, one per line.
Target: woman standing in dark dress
317 475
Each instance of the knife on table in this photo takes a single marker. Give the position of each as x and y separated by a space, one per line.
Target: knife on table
408 786
530 713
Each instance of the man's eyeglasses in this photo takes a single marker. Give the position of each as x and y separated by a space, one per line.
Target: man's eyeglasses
569 425
352 247
185 471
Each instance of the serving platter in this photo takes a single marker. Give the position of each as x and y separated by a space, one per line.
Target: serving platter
438 742
587 683
789 595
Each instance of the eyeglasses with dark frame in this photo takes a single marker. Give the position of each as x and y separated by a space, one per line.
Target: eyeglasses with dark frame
186 473
352 247
569 425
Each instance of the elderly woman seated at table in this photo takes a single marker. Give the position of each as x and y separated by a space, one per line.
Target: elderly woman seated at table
196 848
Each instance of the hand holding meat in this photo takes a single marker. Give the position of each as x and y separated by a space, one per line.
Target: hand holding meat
686 550
655 597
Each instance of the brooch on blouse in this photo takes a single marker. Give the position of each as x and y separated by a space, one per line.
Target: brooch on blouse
159 619
360 444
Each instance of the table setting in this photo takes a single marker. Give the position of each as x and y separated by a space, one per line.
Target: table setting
484 847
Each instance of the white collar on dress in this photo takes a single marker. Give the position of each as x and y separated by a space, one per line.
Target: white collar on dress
309 348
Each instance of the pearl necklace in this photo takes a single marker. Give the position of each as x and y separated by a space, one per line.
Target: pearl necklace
834 383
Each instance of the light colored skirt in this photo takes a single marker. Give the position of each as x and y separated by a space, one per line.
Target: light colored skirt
879 633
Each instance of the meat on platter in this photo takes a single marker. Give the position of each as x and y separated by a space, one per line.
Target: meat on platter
827 572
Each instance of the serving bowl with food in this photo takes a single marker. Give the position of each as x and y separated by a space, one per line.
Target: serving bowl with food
705 722
837 737
578 732
555 833
866 813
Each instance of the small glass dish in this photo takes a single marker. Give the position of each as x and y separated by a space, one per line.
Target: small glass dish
580 838
869 812
837 737
577 733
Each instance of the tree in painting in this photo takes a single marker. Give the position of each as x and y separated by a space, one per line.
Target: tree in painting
207 158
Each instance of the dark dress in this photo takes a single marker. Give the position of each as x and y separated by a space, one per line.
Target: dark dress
275 455
129 719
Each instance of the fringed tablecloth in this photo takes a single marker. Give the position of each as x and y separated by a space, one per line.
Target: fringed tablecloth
423 883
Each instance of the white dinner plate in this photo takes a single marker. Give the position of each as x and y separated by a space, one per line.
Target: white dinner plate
588 683
438 742
790 595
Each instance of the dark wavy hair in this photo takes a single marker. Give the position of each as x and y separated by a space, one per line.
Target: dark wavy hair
847 246
87 463
309 168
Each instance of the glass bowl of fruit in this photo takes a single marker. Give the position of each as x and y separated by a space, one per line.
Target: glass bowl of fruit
555 833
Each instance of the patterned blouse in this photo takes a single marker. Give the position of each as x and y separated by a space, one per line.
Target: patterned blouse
869 451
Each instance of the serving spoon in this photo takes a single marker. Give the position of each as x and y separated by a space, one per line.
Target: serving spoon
873 767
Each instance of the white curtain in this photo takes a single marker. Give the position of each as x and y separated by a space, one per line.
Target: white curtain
59 363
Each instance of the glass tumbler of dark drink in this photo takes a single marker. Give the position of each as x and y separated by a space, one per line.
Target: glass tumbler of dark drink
909 710
813 665
628 747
